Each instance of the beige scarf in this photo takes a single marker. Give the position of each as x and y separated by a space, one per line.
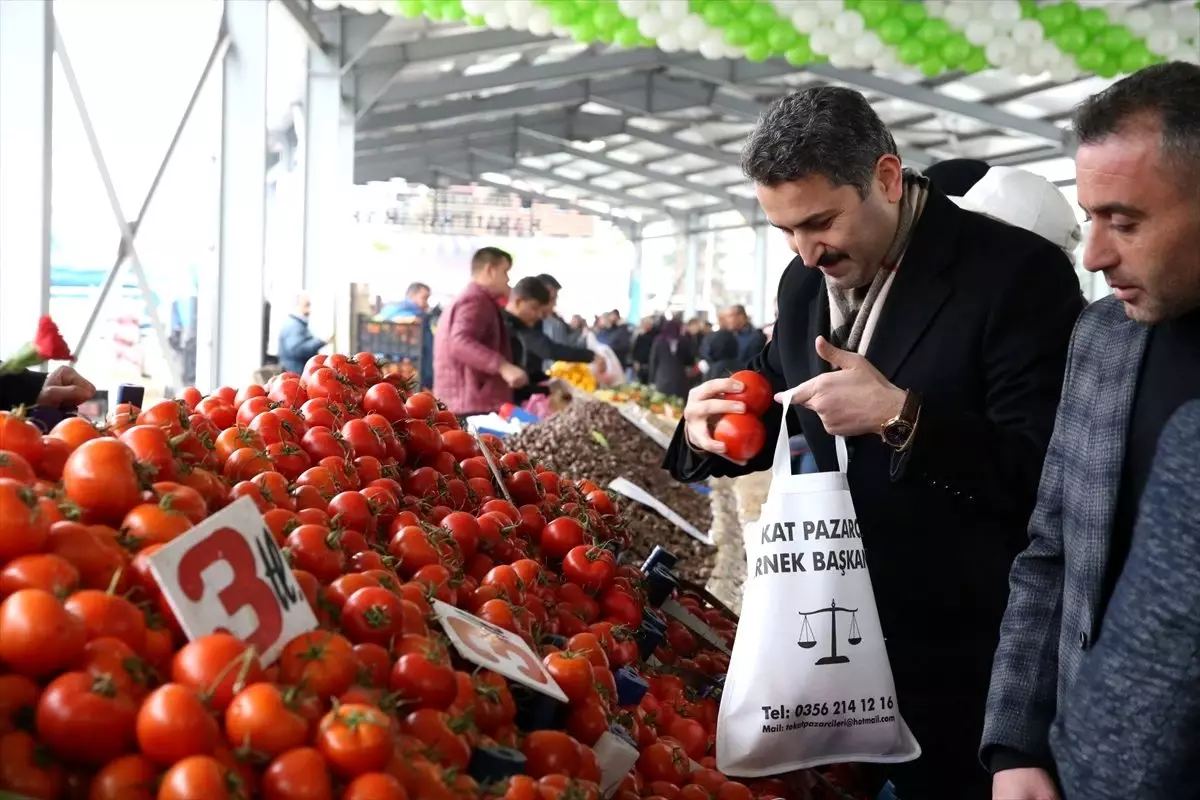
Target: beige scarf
854 313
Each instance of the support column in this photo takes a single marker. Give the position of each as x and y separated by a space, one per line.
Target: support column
231 323
690 245
26 108
327 159
637 283
761 311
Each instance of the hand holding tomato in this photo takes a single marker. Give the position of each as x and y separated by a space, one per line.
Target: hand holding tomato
706 404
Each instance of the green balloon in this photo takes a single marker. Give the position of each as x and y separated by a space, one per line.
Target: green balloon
1070 11
1091 59
1029 9
892 31
1093 20
584 31
1071 38
698 6
934 30
563 13
1136 57
913 14
781 36
799 54
1110 67
452 10
717 14
976 61
852 4
955 51
1117 39
932 66
912 52
761 16
410 8
476 20
1052 18
607 17
758 50
627 35
874 11
739 33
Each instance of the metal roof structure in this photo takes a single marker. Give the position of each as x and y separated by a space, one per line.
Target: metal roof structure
640 135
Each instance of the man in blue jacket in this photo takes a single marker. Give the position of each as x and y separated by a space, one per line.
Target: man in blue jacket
296 342
415 305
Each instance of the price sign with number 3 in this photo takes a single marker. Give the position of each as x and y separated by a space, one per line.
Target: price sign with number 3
228 574
486 645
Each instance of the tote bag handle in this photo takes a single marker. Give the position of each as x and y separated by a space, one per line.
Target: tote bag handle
782 468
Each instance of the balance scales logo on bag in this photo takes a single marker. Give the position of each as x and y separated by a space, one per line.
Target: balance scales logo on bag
809 681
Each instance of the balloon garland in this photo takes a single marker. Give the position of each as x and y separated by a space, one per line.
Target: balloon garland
1063 40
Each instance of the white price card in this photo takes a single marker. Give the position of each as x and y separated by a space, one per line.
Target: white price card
227 574
616 757
491 462
494 648
634 415
635 492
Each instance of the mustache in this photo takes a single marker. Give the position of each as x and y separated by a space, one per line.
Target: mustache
831 257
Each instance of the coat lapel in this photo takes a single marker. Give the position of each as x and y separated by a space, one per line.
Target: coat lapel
1121 365
918 290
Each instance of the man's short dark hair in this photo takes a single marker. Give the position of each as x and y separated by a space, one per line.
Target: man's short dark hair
551 282
486 256
825 130
531 289
1164 94
413 288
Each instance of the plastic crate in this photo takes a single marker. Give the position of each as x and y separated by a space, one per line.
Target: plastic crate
394 341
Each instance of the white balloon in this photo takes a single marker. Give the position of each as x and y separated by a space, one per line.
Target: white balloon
786 7
886 62
1162 41
633 8
713 45
1000 51
496 19
673 9
1187 52
540 23
867 47
326 5
692 31
1117 10
669 42
957 14
1007 12
979 32
936 8
1028 32
1186 20
806 19
829 9
519 12
733 52
476 8
843 58
651 25
1042 59
364 6
1064 71
1019 64
849 24
1161 14
1139 21
823 41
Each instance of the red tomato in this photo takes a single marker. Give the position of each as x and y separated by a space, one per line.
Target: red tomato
559 536
756 392
589 566
742 434
85 719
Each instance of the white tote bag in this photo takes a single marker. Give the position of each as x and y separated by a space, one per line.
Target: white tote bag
809 681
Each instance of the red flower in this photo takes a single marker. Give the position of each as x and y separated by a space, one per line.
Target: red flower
49 343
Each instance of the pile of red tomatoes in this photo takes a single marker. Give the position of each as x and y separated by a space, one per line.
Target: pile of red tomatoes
381 503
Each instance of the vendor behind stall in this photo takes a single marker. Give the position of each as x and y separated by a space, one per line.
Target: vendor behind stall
527 303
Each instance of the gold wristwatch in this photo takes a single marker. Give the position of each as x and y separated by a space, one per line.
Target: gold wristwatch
898 431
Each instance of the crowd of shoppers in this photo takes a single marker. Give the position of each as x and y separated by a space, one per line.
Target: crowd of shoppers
998 438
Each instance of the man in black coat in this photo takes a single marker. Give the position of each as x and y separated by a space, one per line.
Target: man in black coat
532 349
62 388
933 339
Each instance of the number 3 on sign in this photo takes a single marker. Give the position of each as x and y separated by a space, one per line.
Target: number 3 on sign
227 574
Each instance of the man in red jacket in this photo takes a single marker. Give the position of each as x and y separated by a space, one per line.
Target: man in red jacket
473 371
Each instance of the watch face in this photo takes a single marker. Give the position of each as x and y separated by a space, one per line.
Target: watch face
897 433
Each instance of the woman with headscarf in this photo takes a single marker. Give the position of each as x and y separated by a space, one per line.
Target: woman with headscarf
672 360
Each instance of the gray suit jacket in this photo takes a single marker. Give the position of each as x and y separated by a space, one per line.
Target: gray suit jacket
1056 583
1129 728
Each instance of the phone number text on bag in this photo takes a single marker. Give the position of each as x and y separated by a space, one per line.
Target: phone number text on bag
865 705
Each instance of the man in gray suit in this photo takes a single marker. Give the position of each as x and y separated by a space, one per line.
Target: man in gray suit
1134 360
1129 728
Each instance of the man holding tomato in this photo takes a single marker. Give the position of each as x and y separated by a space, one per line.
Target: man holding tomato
934 340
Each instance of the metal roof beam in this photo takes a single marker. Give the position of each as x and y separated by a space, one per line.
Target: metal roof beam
933 99
304 21
705 150
509 102
624 223
619 61
724 199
